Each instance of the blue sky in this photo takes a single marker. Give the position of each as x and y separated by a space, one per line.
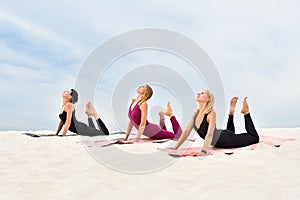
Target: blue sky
254 45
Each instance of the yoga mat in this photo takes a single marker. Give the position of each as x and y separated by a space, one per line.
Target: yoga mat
269 140
47 135
44 135
103 143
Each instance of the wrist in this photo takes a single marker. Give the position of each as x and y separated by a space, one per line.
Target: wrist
138 137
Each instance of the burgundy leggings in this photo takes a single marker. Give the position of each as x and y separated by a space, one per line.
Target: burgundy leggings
154 131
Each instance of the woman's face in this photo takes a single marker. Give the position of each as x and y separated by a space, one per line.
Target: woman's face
203 96
142 89
67 94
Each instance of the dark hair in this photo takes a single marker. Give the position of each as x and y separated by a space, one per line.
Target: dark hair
74 95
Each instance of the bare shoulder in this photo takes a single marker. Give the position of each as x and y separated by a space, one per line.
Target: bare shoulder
211 115
144 105
195 113
69 106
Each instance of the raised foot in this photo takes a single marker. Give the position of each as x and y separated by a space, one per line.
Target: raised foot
232 105
168 111
245 108
88 109
161 114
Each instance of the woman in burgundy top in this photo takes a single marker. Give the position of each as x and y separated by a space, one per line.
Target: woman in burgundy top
137 114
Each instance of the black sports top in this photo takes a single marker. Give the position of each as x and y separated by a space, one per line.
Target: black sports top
202 130
63 117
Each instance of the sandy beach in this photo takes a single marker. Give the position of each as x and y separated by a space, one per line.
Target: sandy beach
62 168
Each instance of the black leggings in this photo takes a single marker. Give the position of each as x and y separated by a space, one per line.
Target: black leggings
228 138
84 130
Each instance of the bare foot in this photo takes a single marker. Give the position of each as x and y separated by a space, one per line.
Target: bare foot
245 108
88 109
168 111
232 105
93 111
161 114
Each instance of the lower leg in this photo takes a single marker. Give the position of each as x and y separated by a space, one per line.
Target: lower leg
175 125
102 126
100 123
91 123
162 120
230 124
249 125
88 111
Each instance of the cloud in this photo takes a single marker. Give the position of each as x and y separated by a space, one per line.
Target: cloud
253 44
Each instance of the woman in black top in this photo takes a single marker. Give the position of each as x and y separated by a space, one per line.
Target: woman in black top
204 123
68 119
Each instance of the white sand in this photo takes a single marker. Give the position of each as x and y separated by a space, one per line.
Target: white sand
61 168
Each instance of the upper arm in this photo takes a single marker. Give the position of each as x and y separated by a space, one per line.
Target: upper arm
190 125
144 112
212 123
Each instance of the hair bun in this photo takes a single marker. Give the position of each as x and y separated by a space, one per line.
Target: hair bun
74 95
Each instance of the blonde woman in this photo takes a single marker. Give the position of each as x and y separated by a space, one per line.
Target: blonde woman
138 112
204 123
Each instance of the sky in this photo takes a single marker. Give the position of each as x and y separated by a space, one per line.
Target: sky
43 45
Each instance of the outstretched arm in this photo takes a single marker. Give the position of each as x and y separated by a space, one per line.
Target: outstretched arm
186 133
129 128
210 133
60 125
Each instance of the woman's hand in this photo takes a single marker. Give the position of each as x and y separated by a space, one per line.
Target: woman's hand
136 140
172 148
198 154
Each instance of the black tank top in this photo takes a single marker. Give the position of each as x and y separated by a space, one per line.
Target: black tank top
63 117
202 130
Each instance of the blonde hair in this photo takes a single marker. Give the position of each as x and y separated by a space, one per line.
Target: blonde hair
147 95
210 105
